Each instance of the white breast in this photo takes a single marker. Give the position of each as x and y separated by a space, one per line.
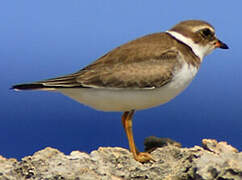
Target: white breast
128 99
183 77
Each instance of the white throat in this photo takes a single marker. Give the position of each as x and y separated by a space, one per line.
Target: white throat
199 50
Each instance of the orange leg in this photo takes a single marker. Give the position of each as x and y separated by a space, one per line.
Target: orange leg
127 124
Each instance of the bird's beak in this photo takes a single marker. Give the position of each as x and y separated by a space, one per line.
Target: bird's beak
220 44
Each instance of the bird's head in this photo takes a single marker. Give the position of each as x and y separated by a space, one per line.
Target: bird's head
199 35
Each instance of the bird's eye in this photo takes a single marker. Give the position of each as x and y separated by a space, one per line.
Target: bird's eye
206 32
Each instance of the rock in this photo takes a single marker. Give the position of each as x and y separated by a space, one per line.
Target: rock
152 142
214 161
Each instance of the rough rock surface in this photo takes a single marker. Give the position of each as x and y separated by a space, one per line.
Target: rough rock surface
214 161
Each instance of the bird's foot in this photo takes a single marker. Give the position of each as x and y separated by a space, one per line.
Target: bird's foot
143 157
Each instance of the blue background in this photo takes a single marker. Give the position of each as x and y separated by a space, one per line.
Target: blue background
44 39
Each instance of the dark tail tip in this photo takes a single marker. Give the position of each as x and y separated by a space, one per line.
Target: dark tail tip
27 86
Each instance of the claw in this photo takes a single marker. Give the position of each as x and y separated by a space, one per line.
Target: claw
144 157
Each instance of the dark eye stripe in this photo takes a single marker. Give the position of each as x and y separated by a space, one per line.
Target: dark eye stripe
207 32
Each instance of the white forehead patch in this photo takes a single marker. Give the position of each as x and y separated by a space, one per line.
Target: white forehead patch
198 50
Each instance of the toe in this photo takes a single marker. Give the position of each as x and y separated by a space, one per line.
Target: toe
144 157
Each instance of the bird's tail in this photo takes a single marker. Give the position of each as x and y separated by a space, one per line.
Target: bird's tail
68 81
31 86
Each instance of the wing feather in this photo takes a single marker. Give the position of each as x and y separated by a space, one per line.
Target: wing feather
146 62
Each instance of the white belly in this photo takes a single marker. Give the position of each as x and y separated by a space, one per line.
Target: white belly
132 99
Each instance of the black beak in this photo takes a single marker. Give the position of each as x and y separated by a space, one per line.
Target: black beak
222 45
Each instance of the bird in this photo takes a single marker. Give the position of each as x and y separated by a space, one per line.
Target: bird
140 74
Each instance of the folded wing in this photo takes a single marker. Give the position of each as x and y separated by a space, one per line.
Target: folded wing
142 63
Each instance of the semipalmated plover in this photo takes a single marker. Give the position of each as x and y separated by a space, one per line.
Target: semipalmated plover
140 74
